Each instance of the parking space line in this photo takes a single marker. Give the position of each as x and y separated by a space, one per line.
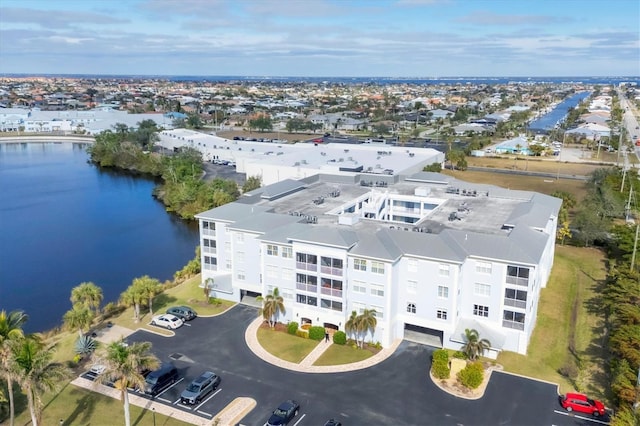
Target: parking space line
210 396
177 400
205 414
163 399
577 416
169 388
299 420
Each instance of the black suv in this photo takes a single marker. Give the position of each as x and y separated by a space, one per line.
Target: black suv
183 312
284 413
156 381
199 388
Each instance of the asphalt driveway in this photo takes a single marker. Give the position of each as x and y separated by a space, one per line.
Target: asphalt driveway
397 391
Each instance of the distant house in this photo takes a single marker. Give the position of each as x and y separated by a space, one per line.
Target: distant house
519 145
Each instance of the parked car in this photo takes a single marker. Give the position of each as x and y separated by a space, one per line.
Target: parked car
157 380
200 387
167 321
284 413
183 312
582 404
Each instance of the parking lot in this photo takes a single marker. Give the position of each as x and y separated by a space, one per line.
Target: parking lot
396 391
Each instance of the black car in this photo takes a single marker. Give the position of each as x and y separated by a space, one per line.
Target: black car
183 312
200 387
284 413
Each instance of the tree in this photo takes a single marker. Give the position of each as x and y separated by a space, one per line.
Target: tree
208 288
351 326
36 373
194 121
367 323
79 317
124 365
253 182
10 331
272 307
148 288
474 346
132 296
87 294
261 123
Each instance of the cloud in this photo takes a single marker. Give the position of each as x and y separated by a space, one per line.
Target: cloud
56 19
488 18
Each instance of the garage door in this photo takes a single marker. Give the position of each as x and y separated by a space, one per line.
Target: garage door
423 335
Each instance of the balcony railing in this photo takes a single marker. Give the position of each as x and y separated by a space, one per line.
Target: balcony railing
210 267
209 250
209 232
516 303
518 281
513 324
331 292
331 271
307 266
307 287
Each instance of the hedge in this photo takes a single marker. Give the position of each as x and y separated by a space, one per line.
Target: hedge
292 327
440 369
441 355
339 338
472 375
316 333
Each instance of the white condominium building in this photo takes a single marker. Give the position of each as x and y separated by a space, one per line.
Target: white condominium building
431 254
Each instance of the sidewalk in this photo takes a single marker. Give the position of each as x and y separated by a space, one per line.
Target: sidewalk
306 366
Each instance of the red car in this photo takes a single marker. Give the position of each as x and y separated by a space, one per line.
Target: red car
581 404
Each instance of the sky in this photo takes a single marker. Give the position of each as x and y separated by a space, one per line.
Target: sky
321 38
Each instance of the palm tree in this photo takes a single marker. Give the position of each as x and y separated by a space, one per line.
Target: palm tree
10 331
351 326
474 346
367 323
124 365
132 296
79 317
272 307
31 362
148 288
87 294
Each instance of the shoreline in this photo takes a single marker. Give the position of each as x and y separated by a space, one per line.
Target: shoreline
44 139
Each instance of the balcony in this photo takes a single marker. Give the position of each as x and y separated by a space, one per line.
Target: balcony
209 267
331 271
307 287
331 291
307 266
513 324
524 282
209 250
209 232
515 303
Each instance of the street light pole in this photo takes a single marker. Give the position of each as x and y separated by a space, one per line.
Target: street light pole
153 410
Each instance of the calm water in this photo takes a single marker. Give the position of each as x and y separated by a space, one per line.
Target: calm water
63 221
548 121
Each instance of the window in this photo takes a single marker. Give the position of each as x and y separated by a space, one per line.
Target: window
377 290
359 287
358 307
272 250
443 270
307 282
209 246
517 275
483 267
412 265
208 228
210 263
441 314
331 287
287 274
511 319
379 312
329 265
239 257
443 291
307 261
480 310
287 252
307 300
412 286
359 264
287 295
377 267
411 308
272 271
516 298
240 275
227 264
480 289
239 237
331 304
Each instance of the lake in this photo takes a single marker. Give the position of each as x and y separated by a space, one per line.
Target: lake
64 221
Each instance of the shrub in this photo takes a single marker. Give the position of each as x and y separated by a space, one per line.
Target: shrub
302 333
316 333
441 355
472 375
459 355
339 338
292 327
85 345
440 369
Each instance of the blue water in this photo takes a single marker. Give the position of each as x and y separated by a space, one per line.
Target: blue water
63 221
549 120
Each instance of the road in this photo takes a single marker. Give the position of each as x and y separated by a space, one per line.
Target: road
630 121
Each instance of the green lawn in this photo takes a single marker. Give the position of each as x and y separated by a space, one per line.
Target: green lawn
342 354
80 407
572 291
285 346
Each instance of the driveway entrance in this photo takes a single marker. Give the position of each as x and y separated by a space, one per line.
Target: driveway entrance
423 335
